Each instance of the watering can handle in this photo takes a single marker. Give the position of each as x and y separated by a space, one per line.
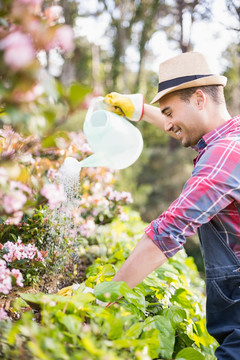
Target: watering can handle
95 104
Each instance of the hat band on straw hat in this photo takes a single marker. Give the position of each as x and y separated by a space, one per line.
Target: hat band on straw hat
178 81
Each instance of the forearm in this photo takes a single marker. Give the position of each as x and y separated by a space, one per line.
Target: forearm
145 258
153 115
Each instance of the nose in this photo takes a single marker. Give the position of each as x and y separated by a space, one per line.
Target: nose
168 125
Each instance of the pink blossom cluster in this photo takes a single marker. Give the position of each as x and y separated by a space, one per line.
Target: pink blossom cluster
104 177
115 195
14 201
54 193
15 218
19 251
88 228
29 2
78 141
6 278
29 33
63 39
3 314
53 13
18 50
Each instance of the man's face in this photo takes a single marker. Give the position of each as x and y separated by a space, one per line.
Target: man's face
184 119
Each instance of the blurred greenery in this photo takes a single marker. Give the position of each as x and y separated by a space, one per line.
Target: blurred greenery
163 317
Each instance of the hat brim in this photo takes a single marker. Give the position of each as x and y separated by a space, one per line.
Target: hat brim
204 81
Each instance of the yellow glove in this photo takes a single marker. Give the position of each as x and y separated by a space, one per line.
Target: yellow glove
130 106
67 291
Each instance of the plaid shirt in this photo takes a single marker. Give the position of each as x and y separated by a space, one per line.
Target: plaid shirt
211 193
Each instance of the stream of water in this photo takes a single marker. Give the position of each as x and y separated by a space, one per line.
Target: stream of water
64 229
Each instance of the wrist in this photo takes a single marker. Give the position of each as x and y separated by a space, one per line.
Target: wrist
138 105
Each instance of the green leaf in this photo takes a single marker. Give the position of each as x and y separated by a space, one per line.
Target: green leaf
175 314
12 335
189 354
72 323
19 303
32 298
80 300
90 345
49 141
109 291
166 333
182 298
116 328
108 270
77 94
135 330
152 340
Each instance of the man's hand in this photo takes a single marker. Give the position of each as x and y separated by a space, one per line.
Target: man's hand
130 106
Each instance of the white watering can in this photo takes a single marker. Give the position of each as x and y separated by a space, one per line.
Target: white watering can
116 142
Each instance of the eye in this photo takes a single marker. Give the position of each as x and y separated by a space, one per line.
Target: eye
168 114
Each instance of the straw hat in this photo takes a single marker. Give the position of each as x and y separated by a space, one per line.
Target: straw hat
183 71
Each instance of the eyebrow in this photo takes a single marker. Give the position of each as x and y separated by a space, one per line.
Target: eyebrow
165 109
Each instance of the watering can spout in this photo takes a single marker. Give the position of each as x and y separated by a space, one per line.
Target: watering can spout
96 159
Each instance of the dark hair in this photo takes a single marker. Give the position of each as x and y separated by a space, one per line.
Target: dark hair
214 91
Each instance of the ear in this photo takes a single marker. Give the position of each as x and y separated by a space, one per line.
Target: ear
200 99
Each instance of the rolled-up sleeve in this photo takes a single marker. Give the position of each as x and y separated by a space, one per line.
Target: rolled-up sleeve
214 184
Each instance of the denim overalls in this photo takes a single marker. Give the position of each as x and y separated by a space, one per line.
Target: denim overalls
223 292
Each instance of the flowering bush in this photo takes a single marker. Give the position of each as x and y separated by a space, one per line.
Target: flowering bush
162 317
20 261
31 181
18 251
6 278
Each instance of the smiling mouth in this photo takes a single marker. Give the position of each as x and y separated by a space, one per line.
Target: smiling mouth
178 132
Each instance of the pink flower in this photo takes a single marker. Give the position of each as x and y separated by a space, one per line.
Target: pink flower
115 195
53 13
15 219
54 193
19 51
20 186
126 196
30 95
5 278
3 314
13 202
18 275
30 2
19 251
64 39
88 228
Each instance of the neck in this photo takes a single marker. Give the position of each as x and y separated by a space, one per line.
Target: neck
217 117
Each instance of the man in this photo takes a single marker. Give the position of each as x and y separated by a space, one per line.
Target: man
193 110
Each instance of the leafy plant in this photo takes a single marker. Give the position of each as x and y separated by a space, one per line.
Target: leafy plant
163 317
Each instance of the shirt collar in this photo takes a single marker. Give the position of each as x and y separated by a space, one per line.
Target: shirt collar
215 134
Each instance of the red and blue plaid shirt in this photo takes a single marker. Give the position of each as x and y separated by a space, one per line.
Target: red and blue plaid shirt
211 193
